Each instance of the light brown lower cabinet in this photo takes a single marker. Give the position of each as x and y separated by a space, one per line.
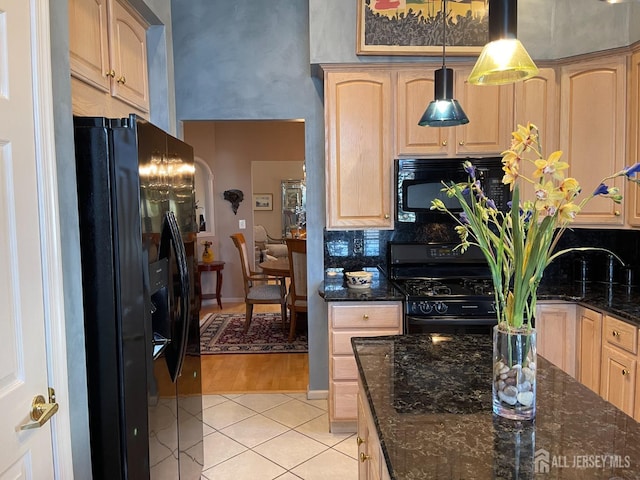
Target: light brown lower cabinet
619 363
346 320
589 347
556 334
371 462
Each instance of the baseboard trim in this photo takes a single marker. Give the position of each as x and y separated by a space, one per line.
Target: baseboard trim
317 394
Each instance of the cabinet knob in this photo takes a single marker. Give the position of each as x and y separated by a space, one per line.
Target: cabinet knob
617 213
615 333
625 372
122 80
110 73
365 317
444 143
359 441
364 457
461 143
386 216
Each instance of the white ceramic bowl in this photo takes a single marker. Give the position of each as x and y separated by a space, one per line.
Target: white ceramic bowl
359 279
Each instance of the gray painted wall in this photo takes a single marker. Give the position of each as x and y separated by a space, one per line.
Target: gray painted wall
163 107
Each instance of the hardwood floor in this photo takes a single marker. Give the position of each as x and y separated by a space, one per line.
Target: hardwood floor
253 372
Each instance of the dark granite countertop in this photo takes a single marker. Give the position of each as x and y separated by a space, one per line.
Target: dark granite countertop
334 288
616 299
430 397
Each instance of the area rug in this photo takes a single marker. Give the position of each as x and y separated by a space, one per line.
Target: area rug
224 333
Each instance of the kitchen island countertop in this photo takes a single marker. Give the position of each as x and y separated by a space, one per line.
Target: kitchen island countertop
430 396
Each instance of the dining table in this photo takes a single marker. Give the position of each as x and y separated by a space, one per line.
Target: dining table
276 268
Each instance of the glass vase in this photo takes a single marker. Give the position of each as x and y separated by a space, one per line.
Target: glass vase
514 372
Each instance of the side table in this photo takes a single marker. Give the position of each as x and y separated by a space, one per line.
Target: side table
215 266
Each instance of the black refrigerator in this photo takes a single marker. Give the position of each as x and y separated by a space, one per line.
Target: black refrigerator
138 229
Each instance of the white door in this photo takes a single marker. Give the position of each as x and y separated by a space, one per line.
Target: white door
28 304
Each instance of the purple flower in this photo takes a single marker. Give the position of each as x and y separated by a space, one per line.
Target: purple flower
629 171
470 169
601 190
491 204
463 218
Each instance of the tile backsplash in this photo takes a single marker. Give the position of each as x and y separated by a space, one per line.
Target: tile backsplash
355 249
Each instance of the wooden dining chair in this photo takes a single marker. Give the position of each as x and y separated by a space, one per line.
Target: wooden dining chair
297 298
256 290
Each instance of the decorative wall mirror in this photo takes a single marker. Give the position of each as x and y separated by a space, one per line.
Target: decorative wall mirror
204 198
294 193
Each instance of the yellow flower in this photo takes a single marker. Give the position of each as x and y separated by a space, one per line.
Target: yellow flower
524 137
568 212
551 166
570 187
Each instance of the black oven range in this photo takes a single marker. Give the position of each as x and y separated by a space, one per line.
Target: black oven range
446 291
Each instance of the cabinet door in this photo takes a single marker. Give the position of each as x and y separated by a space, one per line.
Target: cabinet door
88 43
590 348
617 384
537 102
592 130
359 156
490 112
415 90
128 54
632 202
556 335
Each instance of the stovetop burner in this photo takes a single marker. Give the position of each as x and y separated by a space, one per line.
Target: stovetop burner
420 287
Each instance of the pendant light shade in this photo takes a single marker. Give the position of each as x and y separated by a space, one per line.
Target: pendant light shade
443 111
504 59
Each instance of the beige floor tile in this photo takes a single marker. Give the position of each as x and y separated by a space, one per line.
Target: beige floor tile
254 430
290 449
348 447
288 476
246 466
218 448
328 465
318 429
293 413
225 414
321 403
211 400
261 401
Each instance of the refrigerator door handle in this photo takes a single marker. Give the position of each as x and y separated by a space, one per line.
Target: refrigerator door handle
172 240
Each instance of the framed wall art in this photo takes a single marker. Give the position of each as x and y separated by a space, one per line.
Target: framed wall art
414 27
263 201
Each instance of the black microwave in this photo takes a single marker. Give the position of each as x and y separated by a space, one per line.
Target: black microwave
419 181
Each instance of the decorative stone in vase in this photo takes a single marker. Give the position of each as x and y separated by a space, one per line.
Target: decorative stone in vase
514 372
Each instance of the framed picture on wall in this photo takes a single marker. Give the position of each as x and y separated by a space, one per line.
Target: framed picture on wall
263 201
414 27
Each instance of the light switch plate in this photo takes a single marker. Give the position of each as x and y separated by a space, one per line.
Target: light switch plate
242 224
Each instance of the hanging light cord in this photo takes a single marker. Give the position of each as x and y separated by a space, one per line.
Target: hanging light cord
444 29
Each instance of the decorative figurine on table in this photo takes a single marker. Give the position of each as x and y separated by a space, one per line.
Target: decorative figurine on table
207 254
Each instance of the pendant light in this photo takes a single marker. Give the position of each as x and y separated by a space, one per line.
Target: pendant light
443 111
504 59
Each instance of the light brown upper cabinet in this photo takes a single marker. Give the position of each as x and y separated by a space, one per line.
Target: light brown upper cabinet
537 102
359 152
632 200
108 57
592 130
489 108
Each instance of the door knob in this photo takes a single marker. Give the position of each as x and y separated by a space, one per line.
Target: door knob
41 411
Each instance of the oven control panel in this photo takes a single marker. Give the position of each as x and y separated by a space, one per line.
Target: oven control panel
451 308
